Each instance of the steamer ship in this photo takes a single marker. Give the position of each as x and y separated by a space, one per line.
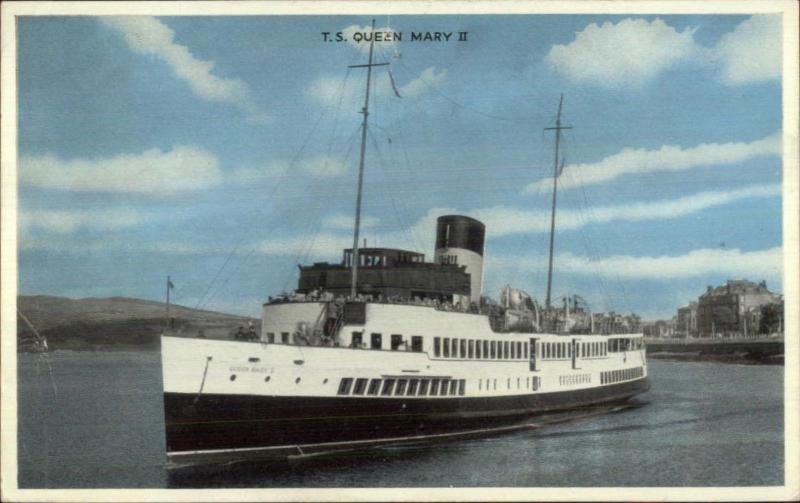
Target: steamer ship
386 348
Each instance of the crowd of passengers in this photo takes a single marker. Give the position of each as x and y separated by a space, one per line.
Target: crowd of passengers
317 295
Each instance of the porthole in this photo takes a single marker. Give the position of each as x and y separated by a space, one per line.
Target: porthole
325 381
233 377
296 381
266 379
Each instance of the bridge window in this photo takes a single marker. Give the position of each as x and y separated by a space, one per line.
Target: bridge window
434 387
388 384
416 343
453 387
478 349
285 337
374 386
455 348
446 347
344 385
444 386
461 386
463 348
376 341
437 346
423 387
471 349
494 349
396 341
412 387
401 387
486 349
361 385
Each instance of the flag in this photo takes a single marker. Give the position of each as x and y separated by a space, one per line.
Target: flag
560 168
394 86
169 284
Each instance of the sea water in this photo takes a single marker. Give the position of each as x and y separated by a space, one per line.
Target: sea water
95 420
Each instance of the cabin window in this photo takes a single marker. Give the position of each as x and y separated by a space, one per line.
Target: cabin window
376 341
486 349
508 383
463 348
434 387
360 387
569 350
517 382
506 350
443 387
446 347
416 343
285 337
478 349
401 387
374 386
412 387
471 349
494 383
455 348
527 382
525 349
462 384
437 347
388 384
423 387
453 387
513 350
519 350
396 341
536 382
356 340
270 337
494 349
344 385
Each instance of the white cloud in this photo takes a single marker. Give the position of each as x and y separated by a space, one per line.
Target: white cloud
502 220
68 221
333 91
149 36
634 51
346 222
733 263
631 161
751 52
360 36
153 171
628 53
428 79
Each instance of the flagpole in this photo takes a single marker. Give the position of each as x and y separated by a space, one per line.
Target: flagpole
169 284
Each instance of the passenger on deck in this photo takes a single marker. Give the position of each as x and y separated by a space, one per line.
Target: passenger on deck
251 333
240 335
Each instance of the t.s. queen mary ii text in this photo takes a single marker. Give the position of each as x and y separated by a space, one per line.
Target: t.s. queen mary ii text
396 36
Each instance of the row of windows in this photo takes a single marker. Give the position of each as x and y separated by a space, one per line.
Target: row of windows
401 387
556 350
491 384
612 376
470 348
397 342
574 379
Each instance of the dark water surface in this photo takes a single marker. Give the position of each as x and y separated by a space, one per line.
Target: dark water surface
95 419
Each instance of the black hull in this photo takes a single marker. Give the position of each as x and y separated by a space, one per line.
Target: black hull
225 422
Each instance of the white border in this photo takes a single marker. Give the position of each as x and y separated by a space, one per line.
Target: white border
8 247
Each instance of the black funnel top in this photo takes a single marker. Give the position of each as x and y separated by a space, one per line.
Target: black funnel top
458 231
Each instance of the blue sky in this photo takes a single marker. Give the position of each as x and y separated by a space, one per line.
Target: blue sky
223 151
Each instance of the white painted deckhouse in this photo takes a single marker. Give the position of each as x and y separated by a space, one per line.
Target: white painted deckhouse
383 348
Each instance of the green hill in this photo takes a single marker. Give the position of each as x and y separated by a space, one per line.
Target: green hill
114 323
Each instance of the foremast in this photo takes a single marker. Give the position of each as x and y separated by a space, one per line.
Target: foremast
365 113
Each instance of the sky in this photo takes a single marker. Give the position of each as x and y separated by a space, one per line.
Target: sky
223 152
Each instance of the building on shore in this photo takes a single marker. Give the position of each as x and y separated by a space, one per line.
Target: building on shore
614 323
686 321
660 328
739 308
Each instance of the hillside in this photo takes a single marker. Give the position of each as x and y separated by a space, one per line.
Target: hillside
113 323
